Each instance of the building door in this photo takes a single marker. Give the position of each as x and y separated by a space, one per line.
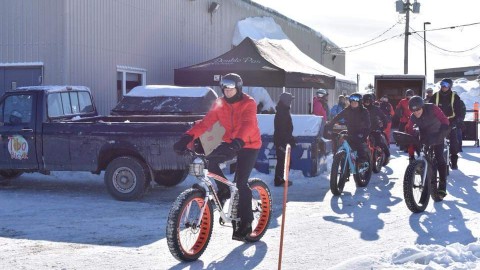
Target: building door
12 77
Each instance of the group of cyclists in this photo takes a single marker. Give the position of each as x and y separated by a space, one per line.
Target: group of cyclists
435 121
236 112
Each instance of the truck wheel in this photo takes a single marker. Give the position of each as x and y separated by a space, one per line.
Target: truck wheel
170 178
126 178
10 174
6 176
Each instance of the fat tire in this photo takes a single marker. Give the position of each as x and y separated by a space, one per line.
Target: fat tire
338 177
194 199
415 194
362 179
378 160
262 213
434 182
170 178
134 171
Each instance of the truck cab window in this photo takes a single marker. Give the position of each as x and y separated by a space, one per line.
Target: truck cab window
54 104
16 109
85 102
69 103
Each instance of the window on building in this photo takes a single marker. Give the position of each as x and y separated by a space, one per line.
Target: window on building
127 79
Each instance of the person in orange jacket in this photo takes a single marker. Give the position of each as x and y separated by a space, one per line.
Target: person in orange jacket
237 113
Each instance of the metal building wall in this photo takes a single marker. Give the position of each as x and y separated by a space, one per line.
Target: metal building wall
32 31
84 41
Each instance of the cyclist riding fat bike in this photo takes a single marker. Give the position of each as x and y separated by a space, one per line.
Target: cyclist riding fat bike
237 113
434 127
357 120
378 122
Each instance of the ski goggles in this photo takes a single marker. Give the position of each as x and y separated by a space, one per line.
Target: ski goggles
445 84
226 83
354 98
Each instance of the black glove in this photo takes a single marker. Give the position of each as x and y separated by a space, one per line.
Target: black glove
444 130
181 145
237 144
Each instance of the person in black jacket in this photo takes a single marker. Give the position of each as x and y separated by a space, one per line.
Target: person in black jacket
357 120
282 135
450 104
378 122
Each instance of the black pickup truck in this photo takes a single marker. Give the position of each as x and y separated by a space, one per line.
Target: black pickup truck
56 128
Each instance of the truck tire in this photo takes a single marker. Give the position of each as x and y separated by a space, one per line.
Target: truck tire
6 176
10 174
126 178
170 178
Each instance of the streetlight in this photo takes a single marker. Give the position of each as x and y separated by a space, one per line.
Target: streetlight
425 47
402 8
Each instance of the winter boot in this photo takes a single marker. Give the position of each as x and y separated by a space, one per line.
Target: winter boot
453 162
279 182
241 231
442 188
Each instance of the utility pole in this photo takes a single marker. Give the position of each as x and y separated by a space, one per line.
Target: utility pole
407 24
425 46
404 8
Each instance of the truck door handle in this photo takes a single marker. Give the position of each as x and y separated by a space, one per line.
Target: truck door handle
27 130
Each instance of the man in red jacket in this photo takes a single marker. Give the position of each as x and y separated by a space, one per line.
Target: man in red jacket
237 113
403 112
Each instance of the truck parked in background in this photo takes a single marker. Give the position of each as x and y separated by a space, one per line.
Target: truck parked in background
394 86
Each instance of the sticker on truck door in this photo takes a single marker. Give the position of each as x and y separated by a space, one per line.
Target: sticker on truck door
18 147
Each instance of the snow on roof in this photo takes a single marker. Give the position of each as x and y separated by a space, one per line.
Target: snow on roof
265 28
169 90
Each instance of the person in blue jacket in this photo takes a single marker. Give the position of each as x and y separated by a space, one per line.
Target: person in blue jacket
337 108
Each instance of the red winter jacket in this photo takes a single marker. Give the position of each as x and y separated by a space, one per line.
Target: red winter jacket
239 120
403 104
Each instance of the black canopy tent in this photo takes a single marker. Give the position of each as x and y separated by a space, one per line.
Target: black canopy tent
260 63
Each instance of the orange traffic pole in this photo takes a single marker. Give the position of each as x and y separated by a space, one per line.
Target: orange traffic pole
475 111
286 170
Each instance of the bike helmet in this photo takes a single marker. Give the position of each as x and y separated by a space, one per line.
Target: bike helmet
368 97
232 80
415 103
355 97
446 82
322 92
409 93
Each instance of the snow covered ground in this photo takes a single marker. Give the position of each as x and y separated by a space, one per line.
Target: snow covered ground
68 221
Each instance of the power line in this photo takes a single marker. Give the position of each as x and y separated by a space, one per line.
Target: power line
446 50
360 44
414 32
447 27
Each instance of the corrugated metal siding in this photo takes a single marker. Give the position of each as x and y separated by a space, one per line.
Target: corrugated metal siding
83 41
32 31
